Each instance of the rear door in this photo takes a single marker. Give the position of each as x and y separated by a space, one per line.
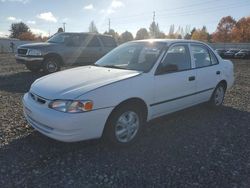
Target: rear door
108 43
71 51
208 70
175 82
91 49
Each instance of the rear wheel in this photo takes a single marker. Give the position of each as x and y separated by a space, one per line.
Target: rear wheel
33 67
51 64
124 126
218 95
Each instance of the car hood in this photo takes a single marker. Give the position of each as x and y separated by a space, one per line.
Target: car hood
72 83
37 45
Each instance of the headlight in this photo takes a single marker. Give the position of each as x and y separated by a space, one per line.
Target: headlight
34 52
71 106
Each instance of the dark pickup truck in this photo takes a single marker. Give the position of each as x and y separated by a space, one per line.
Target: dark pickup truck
64 49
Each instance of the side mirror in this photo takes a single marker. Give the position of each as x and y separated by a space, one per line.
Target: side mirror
162 69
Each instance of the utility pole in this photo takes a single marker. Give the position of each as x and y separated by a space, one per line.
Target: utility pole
64 26
109 26
154 24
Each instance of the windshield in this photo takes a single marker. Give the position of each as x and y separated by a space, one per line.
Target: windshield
139 56
58 38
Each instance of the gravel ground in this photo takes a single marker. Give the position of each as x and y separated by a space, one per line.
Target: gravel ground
197 147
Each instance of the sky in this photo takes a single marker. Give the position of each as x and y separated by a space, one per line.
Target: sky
46 16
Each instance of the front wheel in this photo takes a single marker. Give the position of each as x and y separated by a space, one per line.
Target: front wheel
124 126
51 64
218 96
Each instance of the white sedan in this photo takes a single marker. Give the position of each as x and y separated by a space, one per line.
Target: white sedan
136 82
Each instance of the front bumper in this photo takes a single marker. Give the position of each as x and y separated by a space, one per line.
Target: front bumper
64 127
25 59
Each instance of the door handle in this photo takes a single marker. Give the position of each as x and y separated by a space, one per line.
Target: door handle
218 72
191 78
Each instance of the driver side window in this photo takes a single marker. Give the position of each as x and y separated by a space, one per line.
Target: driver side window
177 59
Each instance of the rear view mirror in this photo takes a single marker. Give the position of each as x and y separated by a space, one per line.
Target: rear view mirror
162 69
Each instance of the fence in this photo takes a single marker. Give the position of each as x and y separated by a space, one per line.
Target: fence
5 44
227 46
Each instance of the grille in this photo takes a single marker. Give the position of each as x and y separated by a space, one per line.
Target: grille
22 51
37 98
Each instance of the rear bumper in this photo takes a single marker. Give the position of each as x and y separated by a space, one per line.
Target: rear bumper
27 59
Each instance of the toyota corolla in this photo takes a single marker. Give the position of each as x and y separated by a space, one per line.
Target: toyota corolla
134 83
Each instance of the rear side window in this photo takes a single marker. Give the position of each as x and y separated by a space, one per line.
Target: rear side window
93 42
201 56
108 41
179 57
214 59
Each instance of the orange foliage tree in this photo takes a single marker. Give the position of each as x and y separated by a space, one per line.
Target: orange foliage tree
241 31
27 36
224 29
201 35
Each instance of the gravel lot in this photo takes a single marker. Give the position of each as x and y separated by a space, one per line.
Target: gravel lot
197 147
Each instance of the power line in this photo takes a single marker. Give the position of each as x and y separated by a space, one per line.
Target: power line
192 12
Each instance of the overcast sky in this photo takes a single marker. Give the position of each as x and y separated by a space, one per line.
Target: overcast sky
45 16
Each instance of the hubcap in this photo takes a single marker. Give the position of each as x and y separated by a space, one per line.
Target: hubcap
219 96
127 126
51 66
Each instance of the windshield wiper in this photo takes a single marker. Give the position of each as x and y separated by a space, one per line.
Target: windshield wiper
113 66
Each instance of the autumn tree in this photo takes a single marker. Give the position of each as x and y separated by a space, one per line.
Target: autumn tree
201 34
224 29
17 29
142 34
241 31
27 36
126 36
92 27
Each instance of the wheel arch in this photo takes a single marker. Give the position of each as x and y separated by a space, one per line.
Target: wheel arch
135 101
59 57
224 83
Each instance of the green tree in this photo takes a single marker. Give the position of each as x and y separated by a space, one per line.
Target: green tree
17 29
126 36
154 30
142 34
92 27
60 30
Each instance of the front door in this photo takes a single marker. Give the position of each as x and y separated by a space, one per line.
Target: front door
175 82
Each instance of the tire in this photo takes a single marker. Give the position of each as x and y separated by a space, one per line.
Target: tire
124 126
218 96
51 65
33 67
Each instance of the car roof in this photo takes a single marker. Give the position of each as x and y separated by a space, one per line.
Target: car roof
170 41
87 33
